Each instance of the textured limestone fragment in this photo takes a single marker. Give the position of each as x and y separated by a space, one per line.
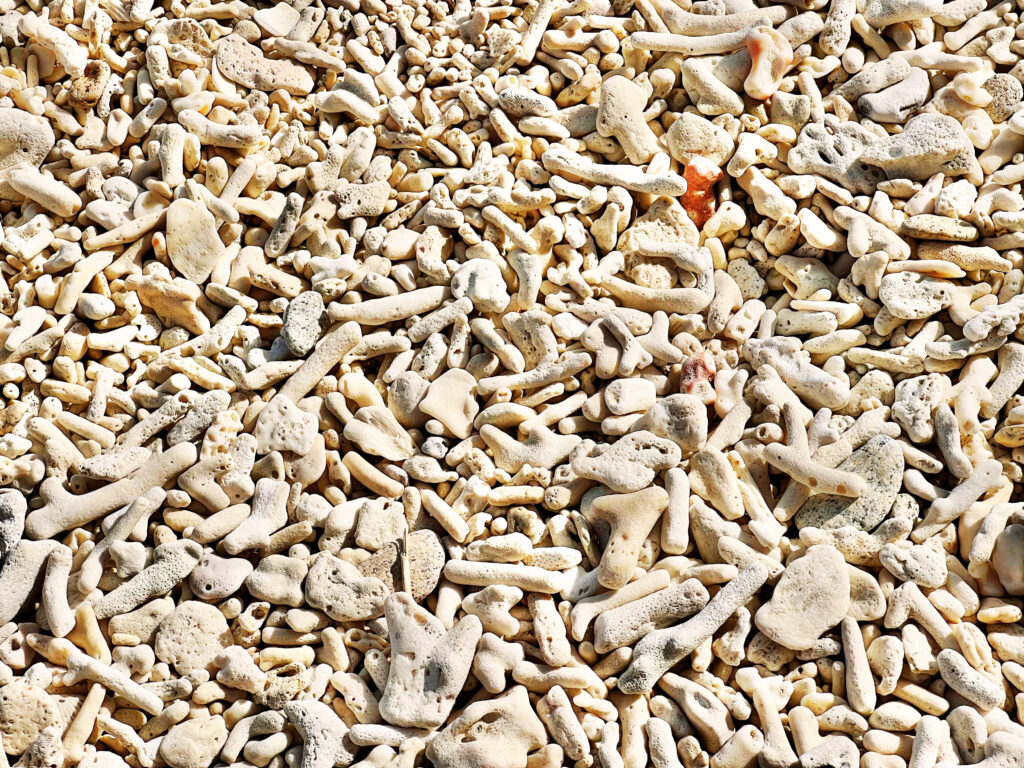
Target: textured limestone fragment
913 296
498 733
237 669
681 418
325 739
833 751
492 606
1006 92
621 115
867 601
337 588
973 685
812 596
929 143
191 636
428 665
376 430
450 399
46 752
216 578
624 396
556 712
172 562
915 403
278 19
481 280
628 623
283 426
245 64
882 13
664 221
631 463
278 579
361 199
834 150
895 103
541 448
786 357
303 322
923 564
268 514
931 226
662 649
193 245
694 136
13 507
380 522
25 710
425 558
24 138
630 517
143 622
194 743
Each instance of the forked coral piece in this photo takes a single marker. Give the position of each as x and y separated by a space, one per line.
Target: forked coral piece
429 665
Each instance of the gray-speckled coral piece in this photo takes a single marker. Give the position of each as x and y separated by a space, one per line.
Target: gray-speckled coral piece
880 462
929 144
12 521
303 322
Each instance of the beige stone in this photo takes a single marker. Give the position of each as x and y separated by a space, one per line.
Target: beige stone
812 596
193 743
193 245
191 636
